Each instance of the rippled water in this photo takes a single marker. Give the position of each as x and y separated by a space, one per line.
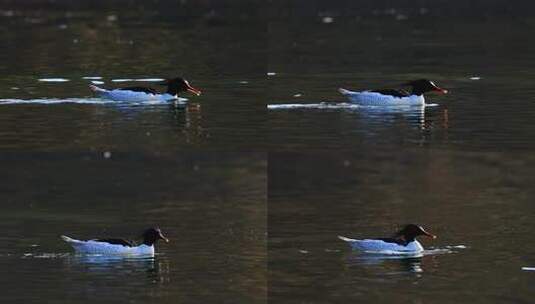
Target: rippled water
269 138
462 168
51 56
211 207
77 165
479 204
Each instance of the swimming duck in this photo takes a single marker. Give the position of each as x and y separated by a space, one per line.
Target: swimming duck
118 246
386 97
138 94
403 242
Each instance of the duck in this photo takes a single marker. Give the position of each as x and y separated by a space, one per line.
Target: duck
393 97
403 242
118 246
139 94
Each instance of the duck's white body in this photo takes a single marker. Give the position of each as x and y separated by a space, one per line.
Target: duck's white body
96 247
369 98
131 96
379 246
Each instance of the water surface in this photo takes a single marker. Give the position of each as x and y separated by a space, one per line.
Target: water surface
211 207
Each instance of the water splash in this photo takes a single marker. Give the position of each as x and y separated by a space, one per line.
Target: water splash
95 101
321 105
44 255
49 101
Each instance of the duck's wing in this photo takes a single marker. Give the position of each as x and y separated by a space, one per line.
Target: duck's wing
71 240
397 241
115 242
346 239
392 92
140 89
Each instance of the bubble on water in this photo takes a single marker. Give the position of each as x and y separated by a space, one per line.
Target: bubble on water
107 155
327 20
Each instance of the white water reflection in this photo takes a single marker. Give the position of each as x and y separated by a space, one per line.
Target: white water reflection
400 262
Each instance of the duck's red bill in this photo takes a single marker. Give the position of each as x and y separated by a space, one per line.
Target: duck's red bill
193 90
430 235
440 90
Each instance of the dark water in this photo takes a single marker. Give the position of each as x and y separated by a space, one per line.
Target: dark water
479 205
212 208
218 48
463 168
75 165
254 180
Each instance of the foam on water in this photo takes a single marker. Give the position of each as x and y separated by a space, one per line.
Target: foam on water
321 105
55 101
44 255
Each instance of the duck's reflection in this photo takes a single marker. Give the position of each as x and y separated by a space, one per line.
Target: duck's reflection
154 268
188 118
392 263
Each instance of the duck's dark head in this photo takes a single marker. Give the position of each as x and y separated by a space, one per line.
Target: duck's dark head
421 86
411 231
151 235
179 84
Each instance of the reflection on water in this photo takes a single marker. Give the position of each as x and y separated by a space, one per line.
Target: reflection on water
415 115
198 198
155 269
391 264
404 262
478 203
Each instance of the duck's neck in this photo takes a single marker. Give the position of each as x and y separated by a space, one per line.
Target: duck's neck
172 89
417 92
